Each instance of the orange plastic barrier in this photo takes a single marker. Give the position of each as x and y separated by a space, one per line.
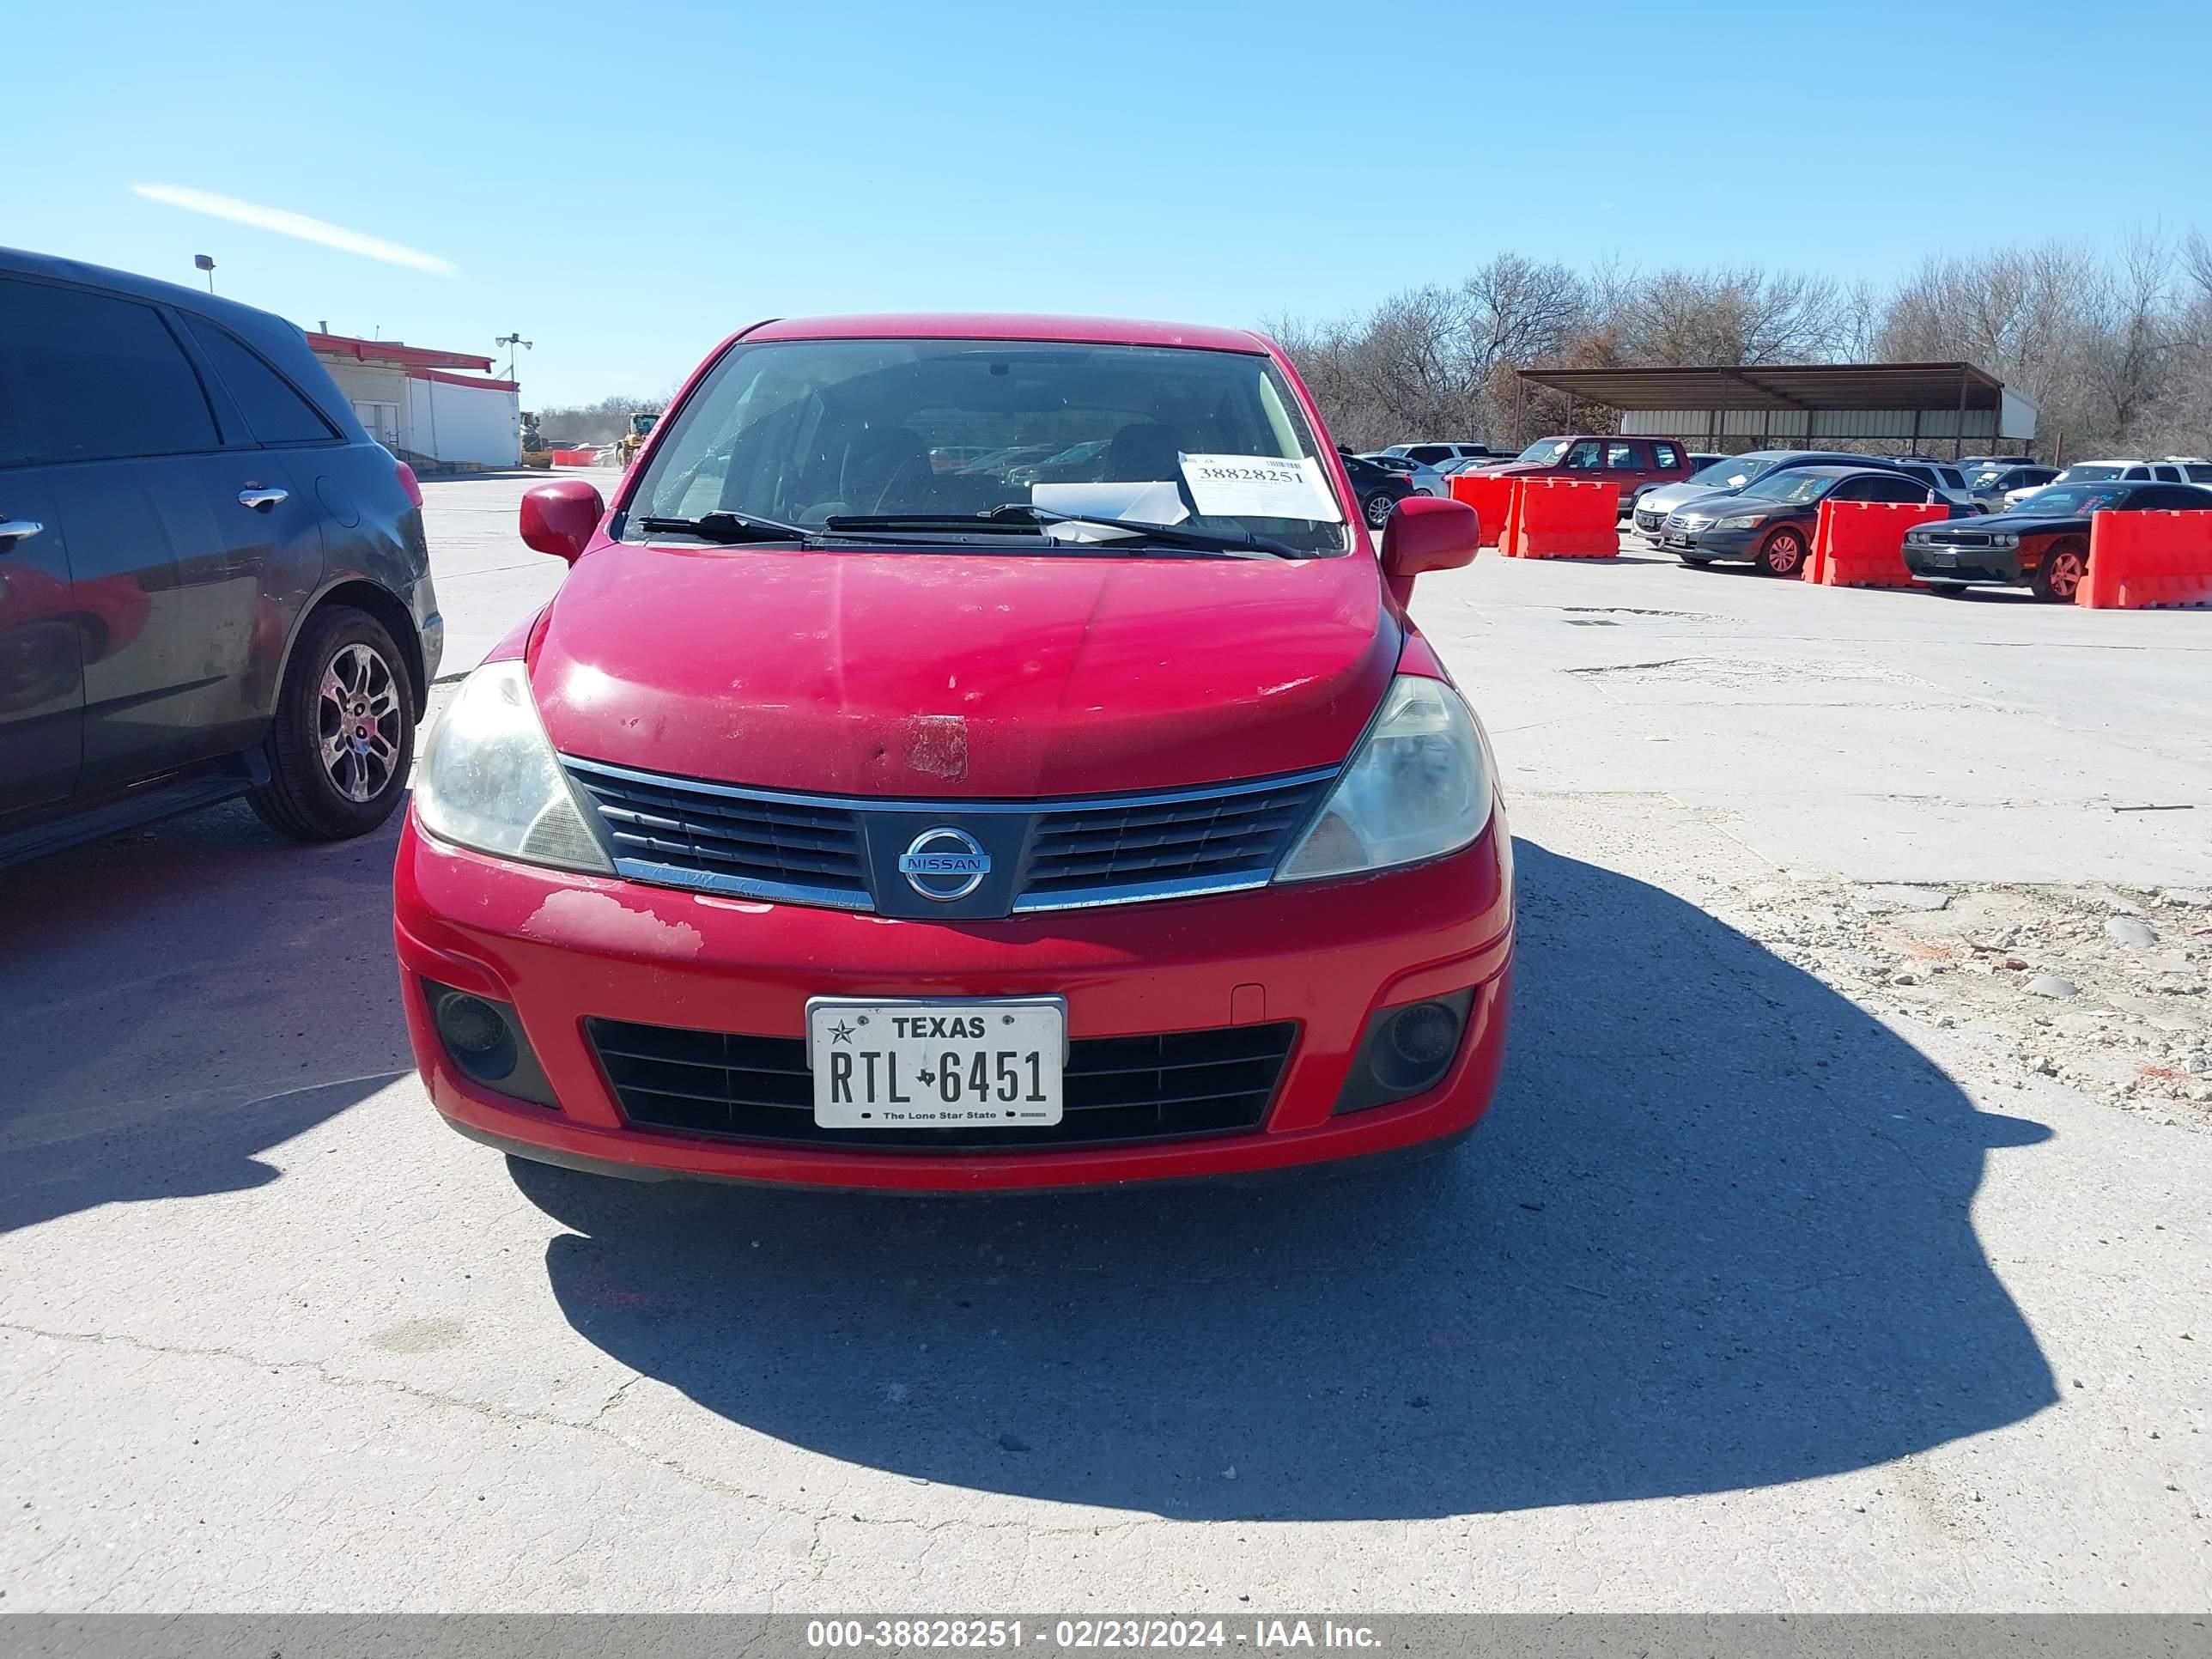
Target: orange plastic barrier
2141 561
1490 494
1565 519
574 457
1862 543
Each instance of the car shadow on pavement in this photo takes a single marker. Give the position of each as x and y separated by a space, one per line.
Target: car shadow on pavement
179 1000
1715 1234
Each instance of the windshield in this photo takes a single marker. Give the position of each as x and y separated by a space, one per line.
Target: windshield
1732 473
1545 451
2091 471
2067 502
1793 487
802 432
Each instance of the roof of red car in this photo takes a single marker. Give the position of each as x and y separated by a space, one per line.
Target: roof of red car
999 325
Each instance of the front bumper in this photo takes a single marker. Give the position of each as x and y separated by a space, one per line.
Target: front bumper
564 948
1937 563
1711 543
429 626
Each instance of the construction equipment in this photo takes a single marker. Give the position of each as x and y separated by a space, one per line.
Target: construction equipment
536 452
641 424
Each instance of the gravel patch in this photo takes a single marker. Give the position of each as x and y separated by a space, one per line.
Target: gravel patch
2106 989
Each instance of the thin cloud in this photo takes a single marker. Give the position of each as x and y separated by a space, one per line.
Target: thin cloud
297 225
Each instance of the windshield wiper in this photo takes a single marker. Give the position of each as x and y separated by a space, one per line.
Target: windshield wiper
1018 516
724 525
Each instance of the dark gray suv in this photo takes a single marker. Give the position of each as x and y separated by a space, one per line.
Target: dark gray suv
212 582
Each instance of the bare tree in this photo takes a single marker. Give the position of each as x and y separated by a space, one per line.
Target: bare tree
2115 347
1732 317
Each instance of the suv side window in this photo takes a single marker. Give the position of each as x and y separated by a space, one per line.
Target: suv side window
1893 490
1584 456
1623 457
93 377
273 410
2169 474
1666 455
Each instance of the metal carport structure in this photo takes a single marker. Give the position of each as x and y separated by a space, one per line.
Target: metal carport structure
1798 406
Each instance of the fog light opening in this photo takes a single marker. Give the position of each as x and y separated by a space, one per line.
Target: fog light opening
477 1035
1406 1051
1424 1035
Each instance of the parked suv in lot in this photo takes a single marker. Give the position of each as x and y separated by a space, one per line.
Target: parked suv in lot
1436 454
212 583
1634 465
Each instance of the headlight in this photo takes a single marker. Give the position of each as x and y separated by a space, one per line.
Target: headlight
489 779
2003 539
1418 786
1742 521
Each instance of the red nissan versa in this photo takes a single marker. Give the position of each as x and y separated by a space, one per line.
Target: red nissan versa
855 816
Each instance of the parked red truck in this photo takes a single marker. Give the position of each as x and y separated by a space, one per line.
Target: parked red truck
1635 464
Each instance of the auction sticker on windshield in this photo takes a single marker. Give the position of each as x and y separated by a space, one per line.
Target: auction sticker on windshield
936 1065
1258 487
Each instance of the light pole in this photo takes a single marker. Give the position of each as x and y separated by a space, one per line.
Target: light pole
511 340
201 262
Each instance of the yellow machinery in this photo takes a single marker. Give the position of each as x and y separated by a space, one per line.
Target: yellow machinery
536 452
641 424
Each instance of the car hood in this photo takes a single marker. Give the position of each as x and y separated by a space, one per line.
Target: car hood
2013 524
959 674
1667 497
1735 504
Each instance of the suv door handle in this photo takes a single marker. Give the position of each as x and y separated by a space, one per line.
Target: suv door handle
262 500
18 530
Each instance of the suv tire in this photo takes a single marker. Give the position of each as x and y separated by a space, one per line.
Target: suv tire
343 740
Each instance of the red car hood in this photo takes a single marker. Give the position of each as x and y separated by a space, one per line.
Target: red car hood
958 675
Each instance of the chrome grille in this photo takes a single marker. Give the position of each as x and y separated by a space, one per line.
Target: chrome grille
683 834
809 849
1098 855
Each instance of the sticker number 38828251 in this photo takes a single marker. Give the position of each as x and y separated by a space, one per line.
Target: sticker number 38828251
1258 487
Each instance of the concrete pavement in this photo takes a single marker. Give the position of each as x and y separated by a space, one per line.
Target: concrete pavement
1754 1293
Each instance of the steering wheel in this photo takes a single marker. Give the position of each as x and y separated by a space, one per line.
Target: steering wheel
898 473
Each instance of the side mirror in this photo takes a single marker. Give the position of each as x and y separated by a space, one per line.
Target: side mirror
1425 533
559 517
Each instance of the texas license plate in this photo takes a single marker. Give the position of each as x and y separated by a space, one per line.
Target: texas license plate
920 1064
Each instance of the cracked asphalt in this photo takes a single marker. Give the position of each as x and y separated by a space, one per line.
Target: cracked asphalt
1774 1281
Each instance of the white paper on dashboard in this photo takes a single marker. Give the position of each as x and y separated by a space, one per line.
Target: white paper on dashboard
1155 501
1258 487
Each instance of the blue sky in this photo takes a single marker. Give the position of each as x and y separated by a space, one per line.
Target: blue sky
624 184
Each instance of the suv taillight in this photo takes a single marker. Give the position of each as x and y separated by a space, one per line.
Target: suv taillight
407 483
